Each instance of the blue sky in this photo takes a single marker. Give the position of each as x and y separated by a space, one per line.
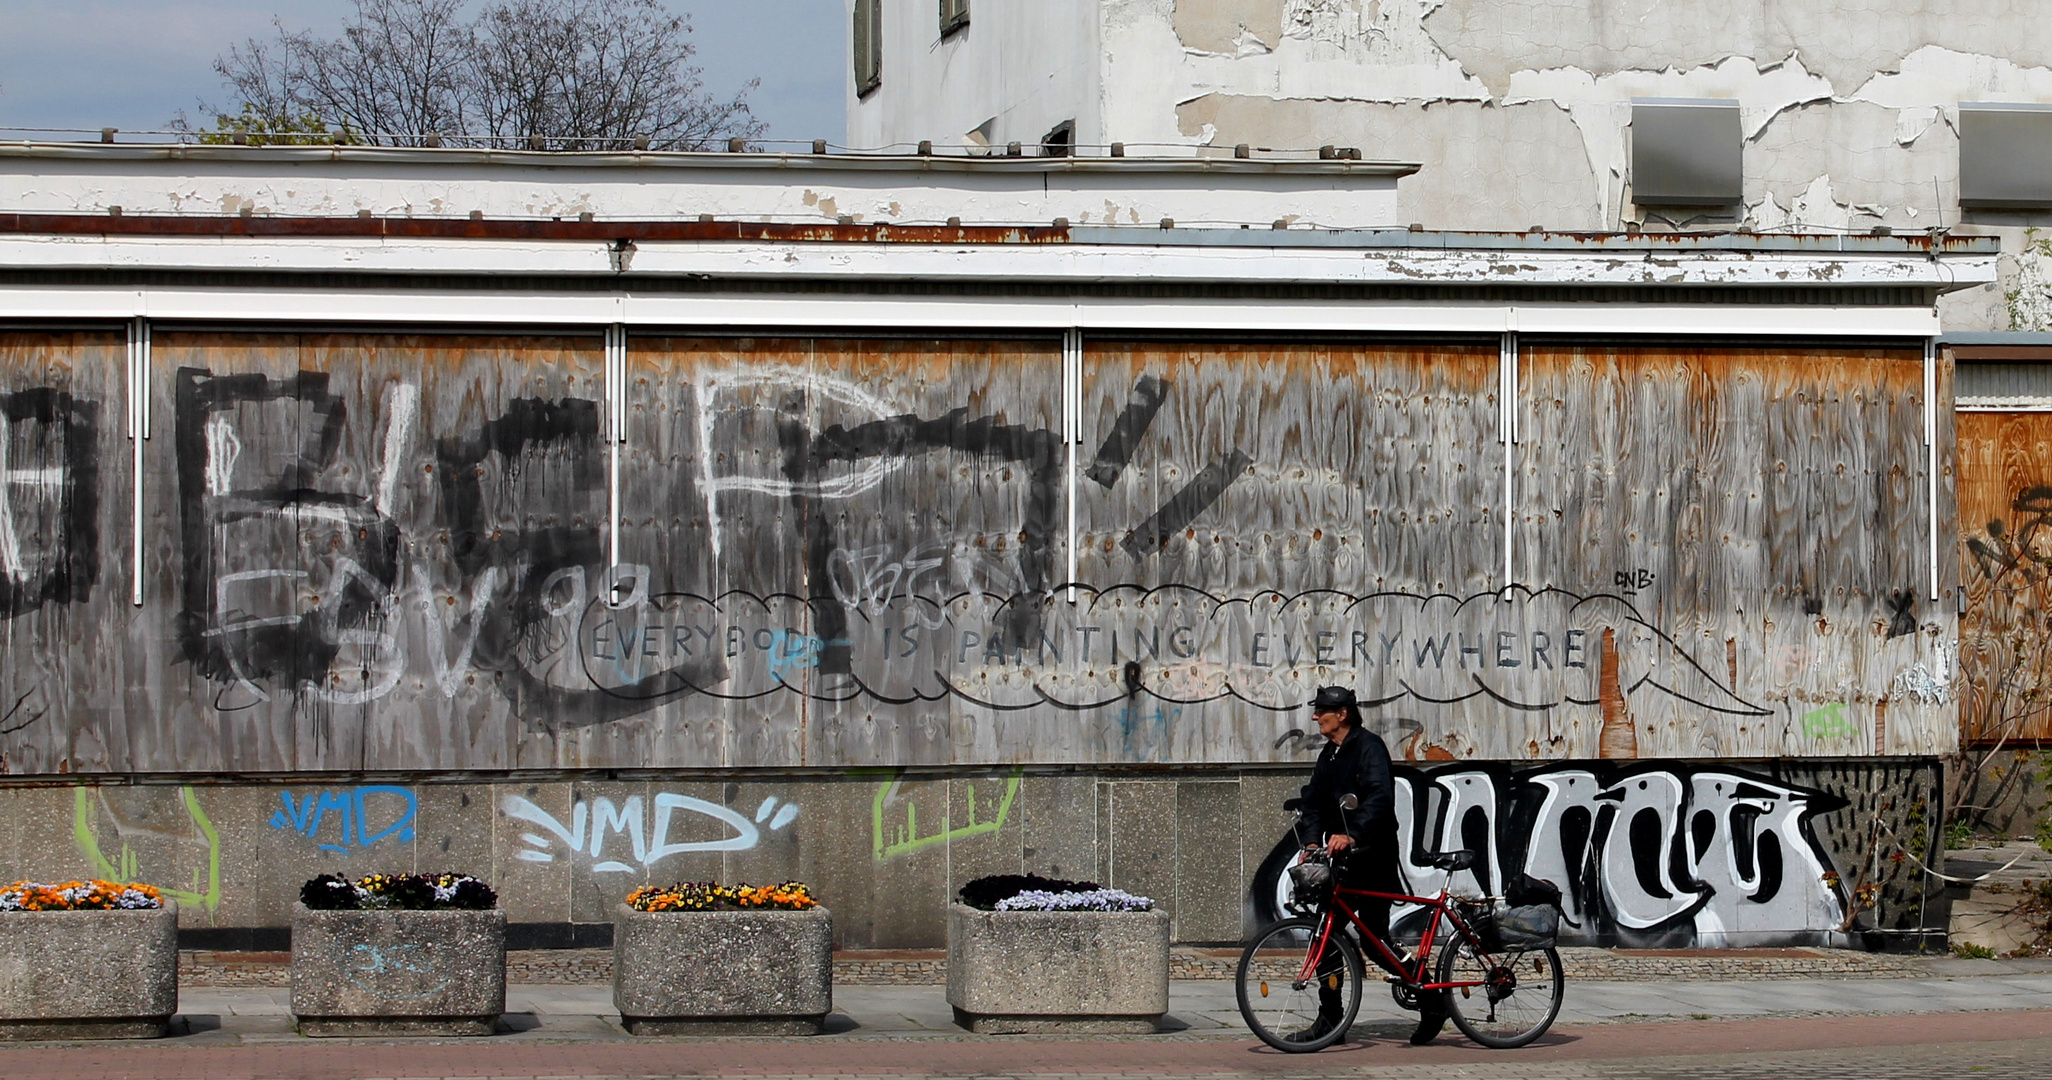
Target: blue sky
133 64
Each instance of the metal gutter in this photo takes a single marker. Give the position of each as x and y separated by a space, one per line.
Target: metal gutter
1615 242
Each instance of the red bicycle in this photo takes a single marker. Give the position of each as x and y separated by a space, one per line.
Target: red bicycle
1300 978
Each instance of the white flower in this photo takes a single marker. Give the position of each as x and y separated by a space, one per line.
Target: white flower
1094 900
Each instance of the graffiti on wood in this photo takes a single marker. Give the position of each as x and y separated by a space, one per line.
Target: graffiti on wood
390 553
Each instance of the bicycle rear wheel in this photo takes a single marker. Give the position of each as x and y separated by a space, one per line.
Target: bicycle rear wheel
1291 999
1516 994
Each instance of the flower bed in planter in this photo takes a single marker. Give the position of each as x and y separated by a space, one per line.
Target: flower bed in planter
398 954
1029 954
86 960
704 959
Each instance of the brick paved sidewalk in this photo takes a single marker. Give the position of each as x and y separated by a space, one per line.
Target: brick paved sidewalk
1993 1044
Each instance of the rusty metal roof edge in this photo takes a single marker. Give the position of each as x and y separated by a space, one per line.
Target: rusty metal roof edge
1648 245
2030 338
1601 242
701 159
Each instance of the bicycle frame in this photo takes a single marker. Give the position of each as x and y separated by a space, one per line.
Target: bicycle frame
1413 978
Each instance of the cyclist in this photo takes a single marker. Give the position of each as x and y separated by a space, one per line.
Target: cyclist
1362 841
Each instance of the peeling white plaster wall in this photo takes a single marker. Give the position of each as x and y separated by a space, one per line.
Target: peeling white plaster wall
1845 41
1602 105
1337 49
1849 108
1933 77
1838 165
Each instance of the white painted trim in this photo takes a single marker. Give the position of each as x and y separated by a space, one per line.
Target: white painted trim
1072 435
1931 451
1092 314
138 434
1507 433
1064 262
616 436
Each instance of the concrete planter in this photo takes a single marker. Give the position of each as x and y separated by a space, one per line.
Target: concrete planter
723 972
398 972
88 974
1098 972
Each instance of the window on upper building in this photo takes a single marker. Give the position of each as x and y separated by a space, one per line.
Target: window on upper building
1685 152
954 15
2005 155
868 44
1059 142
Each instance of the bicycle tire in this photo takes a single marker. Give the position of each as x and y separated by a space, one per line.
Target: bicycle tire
1282 1010
1519 998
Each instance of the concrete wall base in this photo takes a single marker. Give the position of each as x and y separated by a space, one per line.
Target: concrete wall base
984 1024
724 1025
140 1027
347 1026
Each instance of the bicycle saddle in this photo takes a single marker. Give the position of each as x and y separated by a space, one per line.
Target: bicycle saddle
1451 860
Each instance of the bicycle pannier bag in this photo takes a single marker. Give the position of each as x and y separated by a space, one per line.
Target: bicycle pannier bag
1531 926
1524 890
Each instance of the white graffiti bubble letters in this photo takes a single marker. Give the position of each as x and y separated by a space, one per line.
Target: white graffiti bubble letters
1548 856
1638 882
592 823
1759 882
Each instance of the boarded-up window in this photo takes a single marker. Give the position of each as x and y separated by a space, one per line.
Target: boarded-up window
1763 512
2005 523
868 45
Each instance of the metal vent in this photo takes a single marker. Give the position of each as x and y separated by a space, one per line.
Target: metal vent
1996 385
2005 155
1685 152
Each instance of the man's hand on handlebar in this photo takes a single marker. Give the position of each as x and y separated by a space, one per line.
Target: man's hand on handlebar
1337 843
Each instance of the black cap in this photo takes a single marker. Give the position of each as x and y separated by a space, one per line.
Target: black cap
1333 697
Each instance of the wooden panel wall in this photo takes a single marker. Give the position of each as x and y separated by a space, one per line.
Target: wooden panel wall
1755 525
64 544
393 552
2005 525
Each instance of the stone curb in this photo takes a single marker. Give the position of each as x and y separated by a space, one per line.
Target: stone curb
574 967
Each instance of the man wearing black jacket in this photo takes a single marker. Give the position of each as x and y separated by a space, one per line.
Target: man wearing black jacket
1362 840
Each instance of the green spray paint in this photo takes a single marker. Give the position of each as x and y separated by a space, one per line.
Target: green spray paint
205 888
890 842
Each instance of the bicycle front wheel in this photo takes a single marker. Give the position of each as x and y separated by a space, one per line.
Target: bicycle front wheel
1507 998
1294 995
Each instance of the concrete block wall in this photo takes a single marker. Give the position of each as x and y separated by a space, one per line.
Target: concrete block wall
887 850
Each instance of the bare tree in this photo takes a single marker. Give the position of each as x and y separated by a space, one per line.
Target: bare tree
554 74
587 73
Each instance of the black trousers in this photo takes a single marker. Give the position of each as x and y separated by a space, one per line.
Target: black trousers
1370 866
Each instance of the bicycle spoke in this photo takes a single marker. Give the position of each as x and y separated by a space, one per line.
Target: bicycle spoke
1291 1002
1512 997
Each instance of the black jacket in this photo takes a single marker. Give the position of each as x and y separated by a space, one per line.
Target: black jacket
1360 767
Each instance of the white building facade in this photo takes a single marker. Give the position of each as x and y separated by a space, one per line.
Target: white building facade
1847 117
